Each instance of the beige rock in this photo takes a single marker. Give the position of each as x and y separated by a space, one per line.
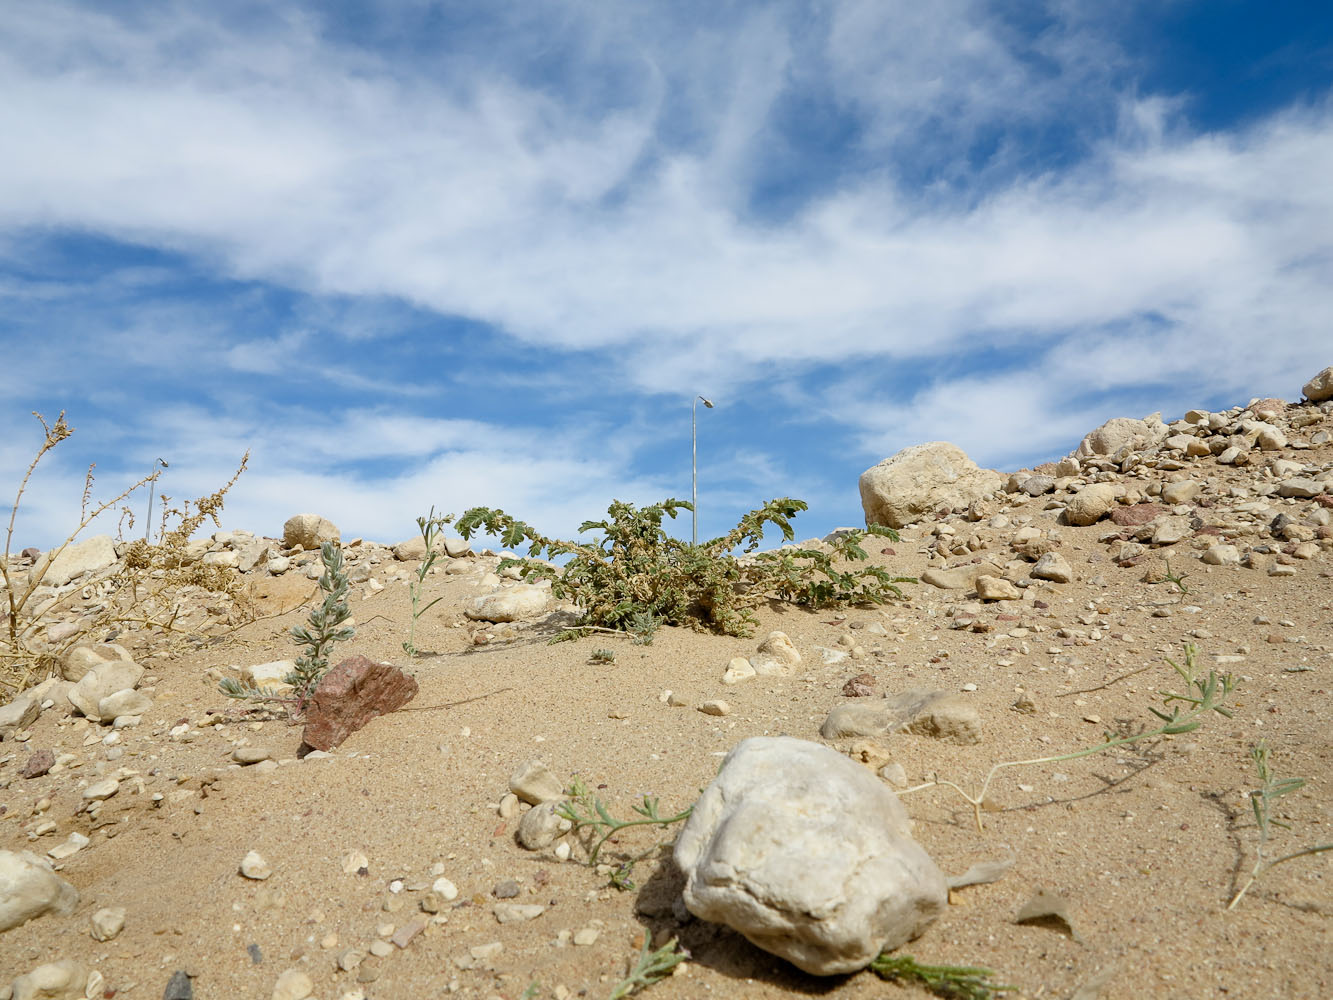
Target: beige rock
779 646
63 980
29 888
1091 504
89 556
1123 433
995 588
293 984
1053 566
738 670
535 783
920 480
309 531
1222 555
960 577
107 922
76 661
1181 492
523 600
1320 387
102 681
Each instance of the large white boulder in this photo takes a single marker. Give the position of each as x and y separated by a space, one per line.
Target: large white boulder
808 855
29 888
87 556
920 480
63 980
1091 504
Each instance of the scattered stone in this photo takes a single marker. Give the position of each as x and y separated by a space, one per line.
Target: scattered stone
1319 388
58 567
534 783
1139 513
349 696
64 980
510 604
403 936
540 826
179 987
1222 555
960 577
29 888
508 889
309 531
251 755
101 681
1122 434
127 702
1300 487
107 922
253 866
949 717
293 985
860 686
511 913
995 588
100 790
807 855
19 714
76 661
1053 566
1090 504
39 762
1180 492
71 846
715 707
1048 909
738 669
269 676
920 480
780 647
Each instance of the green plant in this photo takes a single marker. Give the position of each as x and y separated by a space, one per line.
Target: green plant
954 982
1261 799
430 527
132 594
651 967
1177 578
635 576
586 811
325 627
1201 695
602 656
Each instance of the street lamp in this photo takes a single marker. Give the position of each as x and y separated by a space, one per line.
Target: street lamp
152 481
694 459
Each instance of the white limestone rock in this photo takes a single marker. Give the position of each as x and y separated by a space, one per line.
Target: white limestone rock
309 531
511 604
920 480
808 855
63 980
29 888
87 556
1320 387
1090 504
1123 433
102 681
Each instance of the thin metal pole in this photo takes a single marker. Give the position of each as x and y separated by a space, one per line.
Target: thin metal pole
148 521
694 461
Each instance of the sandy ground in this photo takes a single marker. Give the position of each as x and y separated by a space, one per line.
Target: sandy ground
1147 844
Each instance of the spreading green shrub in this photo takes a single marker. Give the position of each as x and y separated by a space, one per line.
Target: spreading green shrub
634 575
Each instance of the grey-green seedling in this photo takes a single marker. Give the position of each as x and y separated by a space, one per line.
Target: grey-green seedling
430 527
953 982
651 967
1270 789
602 656
1202 696
587 811
325 627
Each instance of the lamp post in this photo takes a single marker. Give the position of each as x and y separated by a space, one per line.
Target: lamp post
152 481
694 460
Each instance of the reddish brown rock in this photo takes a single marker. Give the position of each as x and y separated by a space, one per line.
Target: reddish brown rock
38 763
860 686
1139 513
350 695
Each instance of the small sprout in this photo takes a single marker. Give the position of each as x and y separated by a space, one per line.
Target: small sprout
651 967
585 810
1270 788
602 656
430 527
1177 578
953 982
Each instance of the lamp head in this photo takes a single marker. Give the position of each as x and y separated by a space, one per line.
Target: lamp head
707 402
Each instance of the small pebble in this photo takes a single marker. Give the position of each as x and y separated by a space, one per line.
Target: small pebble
254 866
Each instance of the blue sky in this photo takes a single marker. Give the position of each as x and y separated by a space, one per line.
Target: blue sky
414 254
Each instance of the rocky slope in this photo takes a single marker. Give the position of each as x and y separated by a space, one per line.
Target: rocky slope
205 856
